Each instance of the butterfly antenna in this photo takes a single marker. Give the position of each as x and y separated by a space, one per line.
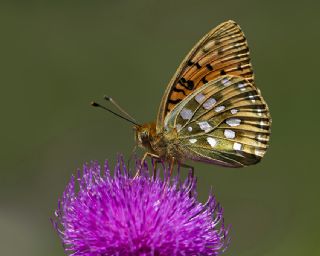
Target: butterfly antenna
95 104
107 98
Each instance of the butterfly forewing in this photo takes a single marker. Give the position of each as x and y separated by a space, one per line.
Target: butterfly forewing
226 121
222 51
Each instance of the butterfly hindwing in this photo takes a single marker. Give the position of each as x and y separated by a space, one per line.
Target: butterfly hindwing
226 122
224 50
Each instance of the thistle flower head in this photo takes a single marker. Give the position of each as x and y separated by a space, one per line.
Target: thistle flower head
100 214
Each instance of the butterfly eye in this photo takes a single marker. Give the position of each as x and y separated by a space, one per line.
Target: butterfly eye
143 136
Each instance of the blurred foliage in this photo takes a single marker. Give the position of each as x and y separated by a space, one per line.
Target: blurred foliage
56 56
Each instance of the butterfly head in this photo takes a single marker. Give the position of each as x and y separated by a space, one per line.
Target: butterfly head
145 134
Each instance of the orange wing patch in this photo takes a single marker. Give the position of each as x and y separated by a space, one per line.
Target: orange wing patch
223 51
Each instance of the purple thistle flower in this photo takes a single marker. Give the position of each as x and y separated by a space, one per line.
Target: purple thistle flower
118 215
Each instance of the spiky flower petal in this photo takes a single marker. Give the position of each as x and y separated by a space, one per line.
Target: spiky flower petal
100 214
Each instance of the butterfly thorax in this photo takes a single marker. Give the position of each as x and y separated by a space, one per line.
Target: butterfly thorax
163 144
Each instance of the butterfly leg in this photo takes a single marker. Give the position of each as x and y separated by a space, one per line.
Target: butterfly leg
191 175
171 166
142 161
167 182
157 160
190 167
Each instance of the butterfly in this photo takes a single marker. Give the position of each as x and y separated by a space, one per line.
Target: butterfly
211 110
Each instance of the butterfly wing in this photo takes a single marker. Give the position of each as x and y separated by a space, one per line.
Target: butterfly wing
226 122
224 50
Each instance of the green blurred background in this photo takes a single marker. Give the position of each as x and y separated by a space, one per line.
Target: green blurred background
56 56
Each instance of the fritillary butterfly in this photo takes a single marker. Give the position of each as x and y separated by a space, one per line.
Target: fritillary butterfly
211 110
